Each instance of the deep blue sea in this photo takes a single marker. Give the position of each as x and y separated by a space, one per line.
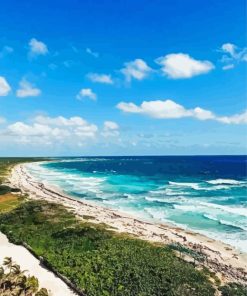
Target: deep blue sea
207 194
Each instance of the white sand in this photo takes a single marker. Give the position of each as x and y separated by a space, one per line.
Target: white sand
27 261
222 258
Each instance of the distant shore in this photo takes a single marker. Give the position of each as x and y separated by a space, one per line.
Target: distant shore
229 263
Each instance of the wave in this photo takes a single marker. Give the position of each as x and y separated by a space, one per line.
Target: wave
156 213
201 186
198 186
225 181
170 200
240 211
183 184
80 160
224 222
208 207
168 191
160 201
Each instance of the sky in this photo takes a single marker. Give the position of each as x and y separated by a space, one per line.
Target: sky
133 77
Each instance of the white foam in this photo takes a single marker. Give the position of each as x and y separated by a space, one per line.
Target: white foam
225 222
225 181
156 213
242 211
185 184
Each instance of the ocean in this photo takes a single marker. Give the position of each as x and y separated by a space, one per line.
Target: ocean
206 194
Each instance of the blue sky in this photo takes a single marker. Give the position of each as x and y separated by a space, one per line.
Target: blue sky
122 77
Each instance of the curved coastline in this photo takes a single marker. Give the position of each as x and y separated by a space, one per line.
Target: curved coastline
222 258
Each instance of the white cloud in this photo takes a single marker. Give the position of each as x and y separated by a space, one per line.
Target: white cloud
27 90
111 129
234 119
110 125
21 129
229 48
232 55
169 109
92 53
101 78
52 130
59 132
86 93
4 87
37 48
61 121
180 65
228 67
137 69
68 63
5 51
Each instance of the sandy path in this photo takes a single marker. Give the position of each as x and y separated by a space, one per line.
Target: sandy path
27 261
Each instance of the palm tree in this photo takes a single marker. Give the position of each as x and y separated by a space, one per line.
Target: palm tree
32 285
15 269
42 292
14 282
1 272
8 262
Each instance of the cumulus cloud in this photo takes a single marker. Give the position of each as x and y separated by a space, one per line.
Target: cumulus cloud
169 109
232 55
4 87
27 90
37 48
137 69
234 119
111 129
180 65
53 130
100 78
86 93
92 53
66 133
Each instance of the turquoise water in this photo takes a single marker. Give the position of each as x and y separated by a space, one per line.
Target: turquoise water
207 194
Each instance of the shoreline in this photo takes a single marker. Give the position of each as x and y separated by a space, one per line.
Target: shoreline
227 262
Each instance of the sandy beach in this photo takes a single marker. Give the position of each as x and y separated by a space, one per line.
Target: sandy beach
229 263
27 261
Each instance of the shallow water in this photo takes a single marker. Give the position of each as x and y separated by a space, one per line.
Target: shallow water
207 194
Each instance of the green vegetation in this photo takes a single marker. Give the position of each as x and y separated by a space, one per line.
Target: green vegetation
184 250
14 282
97 260
234 289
